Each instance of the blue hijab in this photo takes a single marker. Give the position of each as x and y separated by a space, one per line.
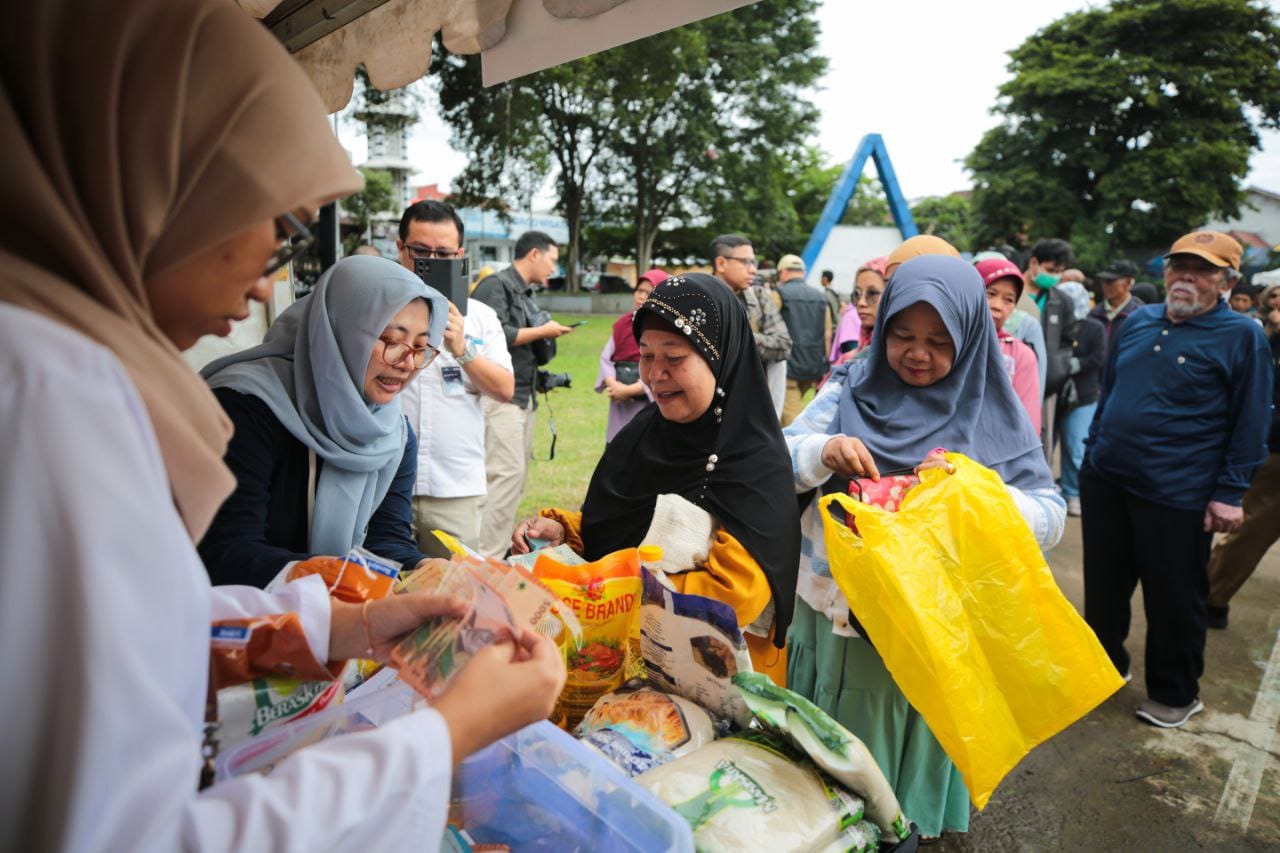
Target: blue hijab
310 371
972 410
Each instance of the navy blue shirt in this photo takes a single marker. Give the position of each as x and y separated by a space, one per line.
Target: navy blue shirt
263 525
1185 408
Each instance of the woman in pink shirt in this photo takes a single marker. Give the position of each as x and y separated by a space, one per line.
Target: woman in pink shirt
1004 282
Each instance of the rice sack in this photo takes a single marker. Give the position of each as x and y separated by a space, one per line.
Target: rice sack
751 792
830 745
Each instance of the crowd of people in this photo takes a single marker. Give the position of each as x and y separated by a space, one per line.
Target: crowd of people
375 412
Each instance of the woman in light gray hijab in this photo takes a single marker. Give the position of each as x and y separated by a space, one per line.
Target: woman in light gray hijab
323 458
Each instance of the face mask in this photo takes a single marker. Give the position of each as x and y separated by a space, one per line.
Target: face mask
1046 280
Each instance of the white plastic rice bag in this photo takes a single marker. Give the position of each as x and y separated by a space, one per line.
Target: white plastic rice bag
830 745
751 793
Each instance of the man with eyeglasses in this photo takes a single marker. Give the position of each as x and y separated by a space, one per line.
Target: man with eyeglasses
444 403
1180 429
509 425
733 261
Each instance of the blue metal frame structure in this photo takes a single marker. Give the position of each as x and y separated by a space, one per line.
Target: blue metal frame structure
872 146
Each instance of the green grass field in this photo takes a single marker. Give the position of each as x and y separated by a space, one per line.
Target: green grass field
580 416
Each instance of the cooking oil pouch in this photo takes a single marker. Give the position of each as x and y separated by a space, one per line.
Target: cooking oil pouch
604 596
961 605
828 744
750 792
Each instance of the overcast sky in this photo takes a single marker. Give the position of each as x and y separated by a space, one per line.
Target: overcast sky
922 73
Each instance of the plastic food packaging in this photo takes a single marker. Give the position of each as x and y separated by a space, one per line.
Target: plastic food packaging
692 646
357 577
562 554
605 598
262 647
247 710
371 709
968 619
640 728
828 744
751 792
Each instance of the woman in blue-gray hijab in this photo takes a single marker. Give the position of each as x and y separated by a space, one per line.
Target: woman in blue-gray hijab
934 379
323 458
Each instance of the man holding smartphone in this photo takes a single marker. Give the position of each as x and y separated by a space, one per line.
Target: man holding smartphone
444 403
509 425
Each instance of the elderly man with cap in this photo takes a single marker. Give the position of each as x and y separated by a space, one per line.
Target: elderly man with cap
808 319
1180 430
1116 304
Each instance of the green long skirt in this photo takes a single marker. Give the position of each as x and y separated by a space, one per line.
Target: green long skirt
845 677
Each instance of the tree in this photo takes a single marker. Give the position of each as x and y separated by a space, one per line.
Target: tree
515 131
710 115
949 217
675 130
1128 125
376 197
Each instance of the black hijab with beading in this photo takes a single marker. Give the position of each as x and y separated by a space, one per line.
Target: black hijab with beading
732 461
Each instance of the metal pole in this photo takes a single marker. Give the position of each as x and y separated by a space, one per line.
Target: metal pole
328 236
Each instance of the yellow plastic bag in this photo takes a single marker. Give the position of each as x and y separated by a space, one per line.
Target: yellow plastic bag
962 607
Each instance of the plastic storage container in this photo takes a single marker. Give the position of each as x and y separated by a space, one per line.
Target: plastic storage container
539 789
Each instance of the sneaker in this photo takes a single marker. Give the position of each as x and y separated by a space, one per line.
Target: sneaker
1164 716
1218 617
1073 507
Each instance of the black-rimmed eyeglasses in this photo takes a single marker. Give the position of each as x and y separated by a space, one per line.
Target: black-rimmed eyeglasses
294 238
427 252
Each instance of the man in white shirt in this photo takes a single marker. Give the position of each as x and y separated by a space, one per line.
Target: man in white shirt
444 403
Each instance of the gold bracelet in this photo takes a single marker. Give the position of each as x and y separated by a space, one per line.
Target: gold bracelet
368 637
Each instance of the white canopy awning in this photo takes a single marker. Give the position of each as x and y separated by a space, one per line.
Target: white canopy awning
392 38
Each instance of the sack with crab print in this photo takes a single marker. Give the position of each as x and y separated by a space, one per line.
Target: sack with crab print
605 597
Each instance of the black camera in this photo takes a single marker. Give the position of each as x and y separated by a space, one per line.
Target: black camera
548 381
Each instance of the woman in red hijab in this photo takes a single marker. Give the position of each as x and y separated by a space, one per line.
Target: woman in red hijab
619 375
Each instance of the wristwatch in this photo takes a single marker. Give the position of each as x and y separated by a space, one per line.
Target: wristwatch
468 355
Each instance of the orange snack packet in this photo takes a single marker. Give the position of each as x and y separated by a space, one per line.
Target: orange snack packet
358 577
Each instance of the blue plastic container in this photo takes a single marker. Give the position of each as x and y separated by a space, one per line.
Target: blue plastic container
539 789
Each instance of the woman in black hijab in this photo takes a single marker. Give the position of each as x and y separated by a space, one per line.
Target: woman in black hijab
711 436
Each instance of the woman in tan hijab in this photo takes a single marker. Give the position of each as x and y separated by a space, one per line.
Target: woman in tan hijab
158 156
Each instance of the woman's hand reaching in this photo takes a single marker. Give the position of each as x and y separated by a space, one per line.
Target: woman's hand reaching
937 458
849 457
547 529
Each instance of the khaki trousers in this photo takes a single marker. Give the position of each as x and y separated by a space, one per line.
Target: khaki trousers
461 518
1237 554
793 405
508 446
